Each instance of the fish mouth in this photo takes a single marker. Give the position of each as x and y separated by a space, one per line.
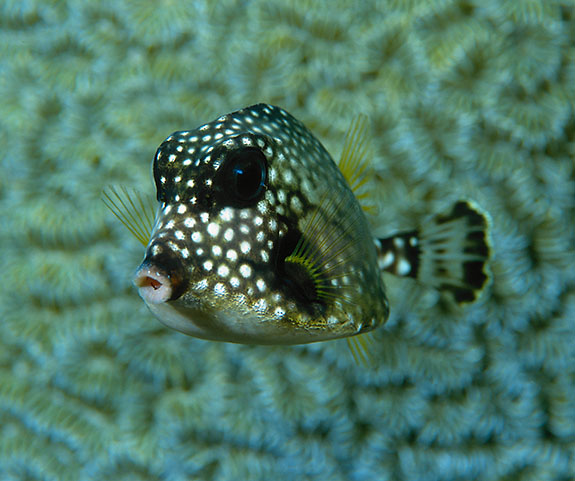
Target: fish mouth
161 278
154 286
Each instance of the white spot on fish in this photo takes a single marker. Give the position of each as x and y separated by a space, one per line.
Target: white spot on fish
296 204
213 229
261 305
387 260
332 320
223 271
398 242
245 247
227 214
245 270
403 267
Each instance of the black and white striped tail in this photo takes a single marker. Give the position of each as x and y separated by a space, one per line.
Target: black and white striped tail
449 252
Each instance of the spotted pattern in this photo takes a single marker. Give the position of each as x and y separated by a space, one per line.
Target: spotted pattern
228 257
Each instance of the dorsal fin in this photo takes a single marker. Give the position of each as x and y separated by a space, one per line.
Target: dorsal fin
354 159
133 209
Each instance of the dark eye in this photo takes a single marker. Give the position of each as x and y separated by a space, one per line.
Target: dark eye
246 174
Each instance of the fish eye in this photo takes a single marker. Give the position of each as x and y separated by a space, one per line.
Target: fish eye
246 174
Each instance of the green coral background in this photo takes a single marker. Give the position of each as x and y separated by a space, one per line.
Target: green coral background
467 98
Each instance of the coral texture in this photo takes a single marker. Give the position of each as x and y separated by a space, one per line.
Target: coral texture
467 98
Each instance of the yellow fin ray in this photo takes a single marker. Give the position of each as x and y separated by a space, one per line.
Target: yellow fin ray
354 160
360 348
133 209
323 249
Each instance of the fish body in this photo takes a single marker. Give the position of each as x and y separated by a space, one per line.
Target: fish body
259 237
237 197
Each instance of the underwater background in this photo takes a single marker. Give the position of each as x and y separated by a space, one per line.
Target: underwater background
467 99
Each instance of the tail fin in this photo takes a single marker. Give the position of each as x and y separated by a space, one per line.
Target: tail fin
449 252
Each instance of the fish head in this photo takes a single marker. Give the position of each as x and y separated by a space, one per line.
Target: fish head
258 238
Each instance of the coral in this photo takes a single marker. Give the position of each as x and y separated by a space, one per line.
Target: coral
466 98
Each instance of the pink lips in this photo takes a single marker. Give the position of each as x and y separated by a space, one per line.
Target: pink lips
153 286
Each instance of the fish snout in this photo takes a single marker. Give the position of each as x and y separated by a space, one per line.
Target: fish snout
160 279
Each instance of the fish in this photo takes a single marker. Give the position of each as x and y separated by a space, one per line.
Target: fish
260 237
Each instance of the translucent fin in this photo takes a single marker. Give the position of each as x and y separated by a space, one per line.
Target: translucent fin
323 252
133 209
360 348
354 160
449 252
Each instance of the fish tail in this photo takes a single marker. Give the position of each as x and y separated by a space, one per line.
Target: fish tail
448 252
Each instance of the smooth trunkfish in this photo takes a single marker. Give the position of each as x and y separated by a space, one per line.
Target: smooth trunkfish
259 237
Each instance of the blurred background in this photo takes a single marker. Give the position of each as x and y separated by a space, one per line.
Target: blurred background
466 98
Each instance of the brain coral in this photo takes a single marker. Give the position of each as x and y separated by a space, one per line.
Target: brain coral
466 98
